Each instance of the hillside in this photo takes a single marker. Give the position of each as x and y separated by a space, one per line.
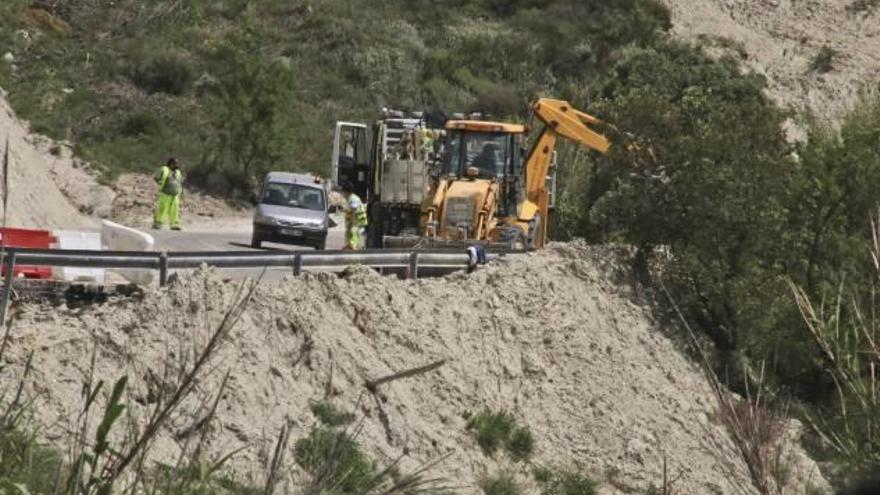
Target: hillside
553 337
783 39
48 187
235 87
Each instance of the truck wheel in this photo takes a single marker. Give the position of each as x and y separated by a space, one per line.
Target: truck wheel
256 242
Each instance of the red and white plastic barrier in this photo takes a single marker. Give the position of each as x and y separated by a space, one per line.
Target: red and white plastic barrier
70 239
45 239
115 237
27 238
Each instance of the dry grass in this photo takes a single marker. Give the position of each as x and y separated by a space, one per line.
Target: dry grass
758 435
846 334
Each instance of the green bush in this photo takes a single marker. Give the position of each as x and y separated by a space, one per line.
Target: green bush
496 430
169 74
139 124
564 482
337 460
824 60
503 483
250 103
205 479
329 415
521 444
492 429
23 460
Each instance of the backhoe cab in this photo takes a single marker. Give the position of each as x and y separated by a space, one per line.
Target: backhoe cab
478 180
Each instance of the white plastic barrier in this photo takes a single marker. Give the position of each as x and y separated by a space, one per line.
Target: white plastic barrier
115 237
69 239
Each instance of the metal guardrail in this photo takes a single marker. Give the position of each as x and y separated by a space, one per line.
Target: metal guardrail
411 261
298 261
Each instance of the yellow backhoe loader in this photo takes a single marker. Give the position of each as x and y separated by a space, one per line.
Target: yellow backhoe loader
491 190
430 181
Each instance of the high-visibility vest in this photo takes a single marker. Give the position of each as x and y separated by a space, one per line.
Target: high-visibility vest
170 182
357 211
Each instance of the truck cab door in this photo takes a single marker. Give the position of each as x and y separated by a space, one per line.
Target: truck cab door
351 157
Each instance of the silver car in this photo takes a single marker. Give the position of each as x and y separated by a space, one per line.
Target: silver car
291 209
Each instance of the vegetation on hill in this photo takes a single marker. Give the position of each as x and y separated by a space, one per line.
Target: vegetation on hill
707 187
235 87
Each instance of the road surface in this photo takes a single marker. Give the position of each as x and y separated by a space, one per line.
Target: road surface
226 235
231 234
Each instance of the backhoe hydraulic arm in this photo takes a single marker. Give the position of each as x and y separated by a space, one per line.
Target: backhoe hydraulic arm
559 119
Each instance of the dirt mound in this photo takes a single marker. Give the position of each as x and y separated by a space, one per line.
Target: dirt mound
781 39
48 188
547 336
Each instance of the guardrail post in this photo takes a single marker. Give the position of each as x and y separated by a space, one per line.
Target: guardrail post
163 269
414 264
7 285
297 265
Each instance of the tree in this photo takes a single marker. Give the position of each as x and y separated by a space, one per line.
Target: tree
251 103
708 185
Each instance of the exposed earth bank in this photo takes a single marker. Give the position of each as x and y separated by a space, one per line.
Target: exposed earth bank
554 337
782 39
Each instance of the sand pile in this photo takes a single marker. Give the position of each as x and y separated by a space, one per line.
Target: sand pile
781 38
548 336
48 187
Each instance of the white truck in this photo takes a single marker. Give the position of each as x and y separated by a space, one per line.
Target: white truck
390 166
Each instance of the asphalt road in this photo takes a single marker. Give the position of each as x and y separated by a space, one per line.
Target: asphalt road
231 235
225 235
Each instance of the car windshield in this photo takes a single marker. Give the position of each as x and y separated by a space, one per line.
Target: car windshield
293 195
487 152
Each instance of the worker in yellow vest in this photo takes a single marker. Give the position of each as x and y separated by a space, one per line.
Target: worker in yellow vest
355 218
170 180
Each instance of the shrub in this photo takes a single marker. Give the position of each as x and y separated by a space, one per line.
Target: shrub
140 123
23 460
492 429
520 444
564 482
824 60
329 415
503 483
499 102
171 74
336 459
496 430
251 112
